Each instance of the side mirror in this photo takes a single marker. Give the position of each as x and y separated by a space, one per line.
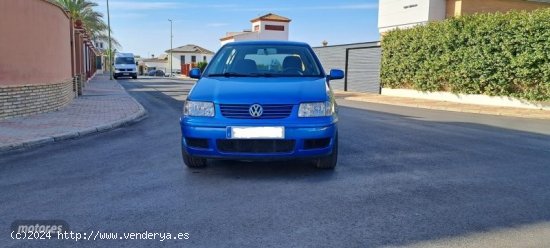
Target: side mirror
195 73
336 74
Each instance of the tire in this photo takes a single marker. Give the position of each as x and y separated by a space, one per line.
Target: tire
134 77
330 161
193 162
115 77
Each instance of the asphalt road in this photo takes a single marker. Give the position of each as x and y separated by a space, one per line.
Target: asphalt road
406 177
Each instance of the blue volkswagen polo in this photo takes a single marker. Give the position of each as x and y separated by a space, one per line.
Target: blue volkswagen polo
261 100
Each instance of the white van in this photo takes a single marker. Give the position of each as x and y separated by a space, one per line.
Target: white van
125 65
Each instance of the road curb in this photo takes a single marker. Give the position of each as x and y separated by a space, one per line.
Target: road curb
128 120
542 115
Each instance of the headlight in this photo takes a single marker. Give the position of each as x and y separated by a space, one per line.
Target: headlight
117 70
316 109
192 108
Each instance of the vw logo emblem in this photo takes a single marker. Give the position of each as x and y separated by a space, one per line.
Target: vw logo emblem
256 110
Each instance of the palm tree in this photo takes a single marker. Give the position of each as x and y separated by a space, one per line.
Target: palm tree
92 20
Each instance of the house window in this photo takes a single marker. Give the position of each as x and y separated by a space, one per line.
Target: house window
182 59
204 58
256 28
275 27
193 59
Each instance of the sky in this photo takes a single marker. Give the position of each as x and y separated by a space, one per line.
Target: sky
142 27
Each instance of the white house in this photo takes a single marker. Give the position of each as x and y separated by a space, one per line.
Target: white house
189 54
153 63
408 13
266 27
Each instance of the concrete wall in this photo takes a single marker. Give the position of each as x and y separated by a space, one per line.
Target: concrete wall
464 7
35 43
35 57
408 13
500 101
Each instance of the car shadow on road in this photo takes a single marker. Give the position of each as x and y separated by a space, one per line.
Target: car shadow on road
265 170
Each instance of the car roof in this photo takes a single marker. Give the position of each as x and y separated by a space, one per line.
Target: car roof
268 42
124 55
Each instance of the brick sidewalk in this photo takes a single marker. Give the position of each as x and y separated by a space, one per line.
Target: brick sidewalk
104 105
442 105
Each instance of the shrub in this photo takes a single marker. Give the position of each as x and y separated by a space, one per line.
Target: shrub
201 65
497 54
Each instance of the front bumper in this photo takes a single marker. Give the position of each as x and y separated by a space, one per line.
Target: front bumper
299 137
125 74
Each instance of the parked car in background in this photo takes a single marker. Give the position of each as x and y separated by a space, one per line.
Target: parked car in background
156 73
261 100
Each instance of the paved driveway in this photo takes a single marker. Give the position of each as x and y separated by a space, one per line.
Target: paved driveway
406 177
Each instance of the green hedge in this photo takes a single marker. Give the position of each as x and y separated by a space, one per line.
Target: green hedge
493 54
202 65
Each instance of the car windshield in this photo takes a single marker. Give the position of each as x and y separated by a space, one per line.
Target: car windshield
264 61
124 60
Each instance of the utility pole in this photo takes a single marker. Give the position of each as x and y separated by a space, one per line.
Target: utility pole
110 43
171 36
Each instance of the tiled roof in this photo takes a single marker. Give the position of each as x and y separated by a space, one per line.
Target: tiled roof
271 17
153 60
190 48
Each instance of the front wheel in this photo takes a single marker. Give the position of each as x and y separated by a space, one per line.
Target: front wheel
191 161
330 161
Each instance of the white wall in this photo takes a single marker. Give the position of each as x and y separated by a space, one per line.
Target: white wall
159 65
500 101
407 13
262 34
176 62
243 36
272 34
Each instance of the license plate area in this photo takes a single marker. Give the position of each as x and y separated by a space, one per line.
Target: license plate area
255 132
126 74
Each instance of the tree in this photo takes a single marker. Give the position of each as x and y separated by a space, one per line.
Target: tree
92 20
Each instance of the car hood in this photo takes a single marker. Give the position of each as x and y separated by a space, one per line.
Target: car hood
236 90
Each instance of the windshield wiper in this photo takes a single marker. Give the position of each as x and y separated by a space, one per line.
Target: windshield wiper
262 74
227 74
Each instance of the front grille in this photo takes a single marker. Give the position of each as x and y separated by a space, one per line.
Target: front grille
255 145
316 143
270 111
197 143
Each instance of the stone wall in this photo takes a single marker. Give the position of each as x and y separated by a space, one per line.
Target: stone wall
36 62
21 100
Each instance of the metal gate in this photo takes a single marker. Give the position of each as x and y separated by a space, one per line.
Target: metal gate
363 69
360 61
